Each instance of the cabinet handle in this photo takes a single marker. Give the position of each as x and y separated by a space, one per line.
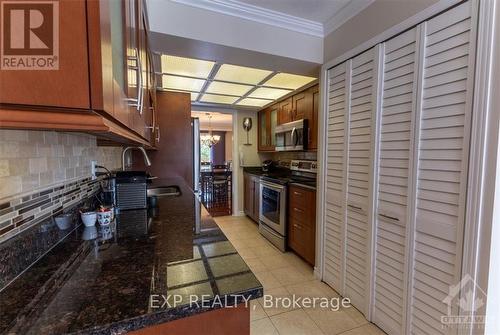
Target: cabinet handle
157 134
297 193
140 94
298 210
389 217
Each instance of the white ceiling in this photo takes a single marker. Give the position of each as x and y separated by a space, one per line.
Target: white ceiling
219 122
312 17
314 10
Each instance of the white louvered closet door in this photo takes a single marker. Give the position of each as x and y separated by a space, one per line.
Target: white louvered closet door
359 185
442 160
397 120
338 106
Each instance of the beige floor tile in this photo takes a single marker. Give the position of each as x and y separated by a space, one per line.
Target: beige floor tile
267 251
367 329
267 280
296 322
277 301
356 315
255 265
298 262
290 275
246 253
256 311
274 262
312 289
331 322
262 327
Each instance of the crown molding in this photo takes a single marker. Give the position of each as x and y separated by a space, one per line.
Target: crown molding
352 8
258 14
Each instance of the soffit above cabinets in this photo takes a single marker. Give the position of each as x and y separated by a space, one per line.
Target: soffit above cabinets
213 83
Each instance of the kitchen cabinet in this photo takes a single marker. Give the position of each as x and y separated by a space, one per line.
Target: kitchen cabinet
312 115
303 105
268 119
285 111
67 87
103 82
251 186
302 221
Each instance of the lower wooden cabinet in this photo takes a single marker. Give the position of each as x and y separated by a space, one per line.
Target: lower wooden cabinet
251 186
302 221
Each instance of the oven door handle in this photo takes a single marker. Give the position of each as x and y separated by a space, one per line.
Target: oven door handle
275 187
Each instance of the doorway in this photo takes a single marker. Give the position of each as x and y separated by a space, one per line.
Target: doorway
215 161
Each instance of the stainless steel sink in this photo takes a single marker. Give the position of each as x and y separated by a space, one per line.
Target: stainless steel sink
164 191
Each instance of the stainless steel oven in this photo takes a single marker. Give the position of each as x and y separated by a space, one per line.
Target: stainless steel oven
272 214
292 136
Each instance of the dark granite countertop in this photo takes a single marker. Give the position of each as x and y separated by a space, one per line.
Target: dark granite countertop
110 280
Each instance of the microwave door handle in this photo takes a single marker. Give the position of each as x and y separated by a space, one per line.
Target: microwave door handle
293 136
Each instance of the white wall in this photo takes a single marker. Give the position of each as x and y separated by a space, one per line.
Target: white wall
370 22
243 155
229 145
172 18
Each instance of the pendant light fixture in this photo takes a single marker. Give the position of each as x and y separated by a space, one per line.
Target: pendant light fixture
209 139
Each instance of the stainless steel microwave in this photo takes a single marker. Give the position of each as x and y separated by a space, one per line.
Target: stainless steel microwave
292 136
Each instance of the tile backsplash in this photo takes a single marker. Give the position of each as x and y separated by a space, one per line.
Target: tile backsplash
31 160
44 172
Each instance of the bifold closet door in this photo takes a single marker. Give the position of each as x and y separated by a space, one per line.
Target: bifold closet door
362 100
338 111
397 121
441 162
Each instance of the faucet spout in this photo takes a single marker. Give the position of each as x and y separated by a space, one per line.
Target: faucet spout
147 161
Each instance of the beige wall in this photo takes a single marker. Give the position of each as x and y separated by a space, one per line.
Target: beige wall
30 160
370 22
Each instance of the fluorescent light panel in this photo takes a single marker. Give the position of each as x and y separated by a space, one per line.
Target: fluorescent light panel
218 99
186 66
268 93
287 80
241 74
253 102
181 83
226 88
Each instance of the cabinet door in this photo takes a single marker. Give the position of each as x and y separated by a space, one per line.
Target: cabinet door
273 122
263 143
256 198
248 187
66 87
362 102
285 111
302 105
313 119
442 139
400 72
336 175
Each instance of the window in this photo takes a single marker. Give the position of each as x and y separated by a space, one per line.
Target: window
205 153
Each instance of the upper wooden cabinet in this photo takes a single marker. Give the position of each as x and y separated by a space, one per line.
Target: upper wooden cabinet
268 119
285 111
312 116
67 87
303 105
105 68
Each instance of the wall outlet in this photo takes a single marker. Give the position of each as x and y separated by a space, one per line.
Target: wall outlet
92 169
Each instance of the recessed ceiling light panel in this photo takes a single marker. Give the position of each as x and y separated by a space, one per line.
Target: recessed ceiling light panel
218 99
227 88
186 66
253 102
287 80
181 83
268 93
241 74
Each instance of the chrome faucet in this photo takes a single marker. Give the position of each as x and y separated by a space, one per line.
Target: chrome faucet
147 161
